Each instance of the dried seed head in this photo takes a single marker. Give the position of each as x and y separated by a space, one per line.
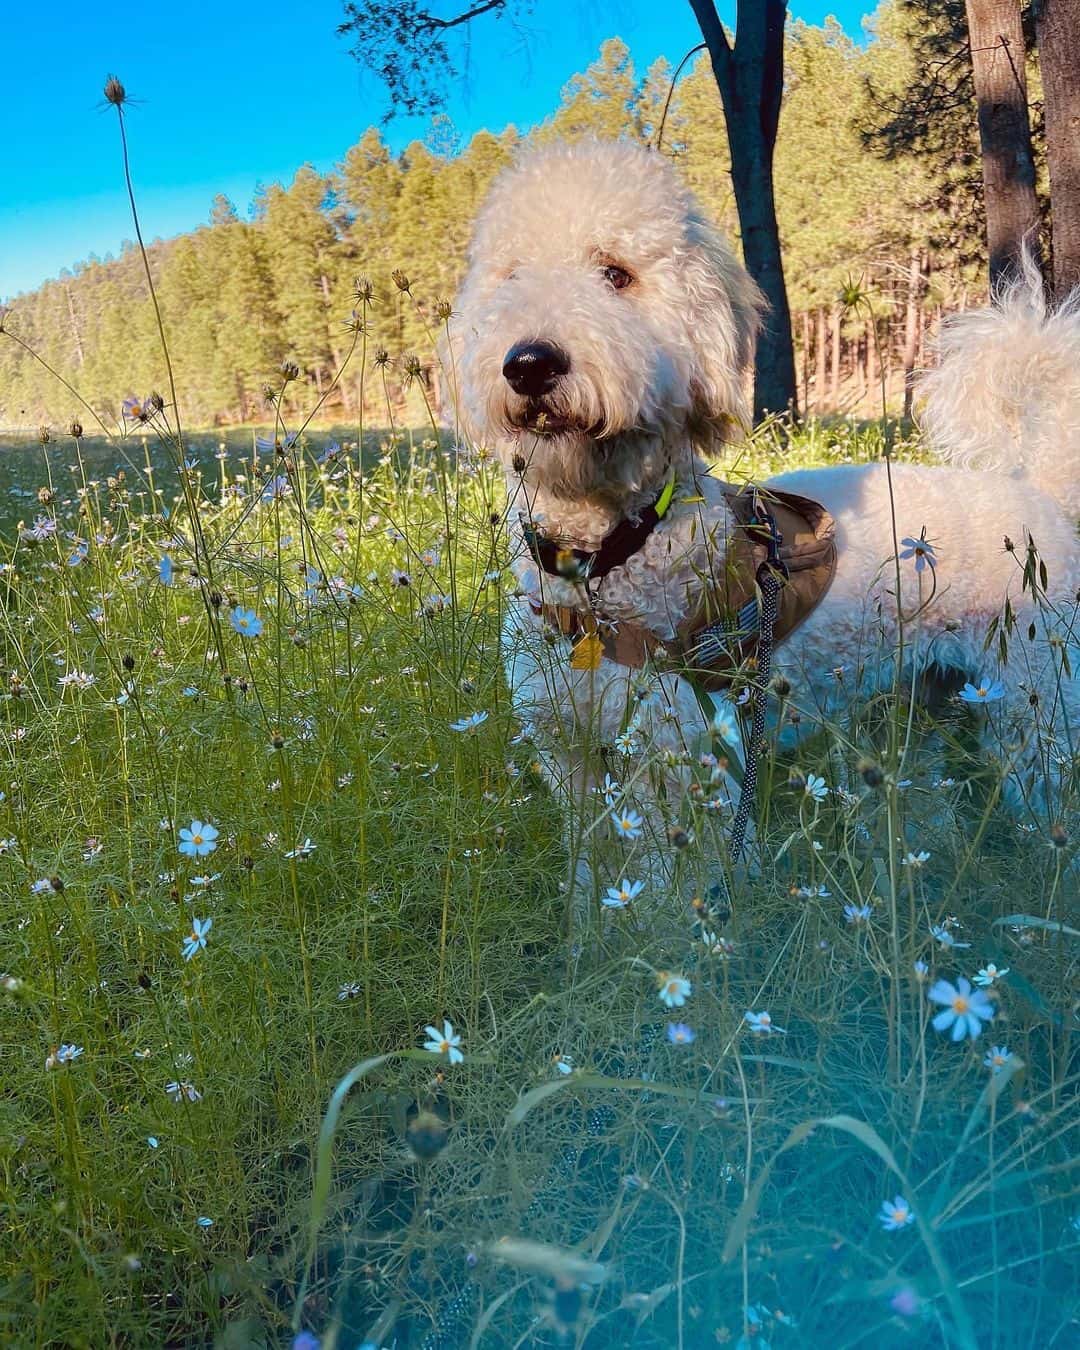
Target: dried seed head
410 363
781 686
290 370
872 774
382 357
426 1134
1059 836
277 740
115 92
518 463
1010 547
46 496
443 310
363 289
127 661
43 435
400 279
75 430
678 837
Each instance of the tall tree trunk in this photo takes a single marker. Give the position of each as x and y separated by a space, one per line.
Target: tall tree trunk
805 359
1057 27
834 381
821 345
335 350
750 77
76 335
911 326
996 35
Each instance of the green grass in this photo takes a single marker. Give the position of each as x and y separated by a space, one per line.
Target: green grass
435 889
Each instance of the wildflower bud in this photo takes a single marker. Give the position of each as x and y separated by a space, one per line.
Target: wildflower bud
277 740
1010 547
216 599
46 496
363 289
871 773
1058 835
443 310
247 862
290 370
299 641
567 1303
156 402
127 661
426 1134
57 884
678 837
495 518
75 430
796 780
400 279
472 1260
10 984
411 365
781 687
43 435
115 92
518 463
1033 699
468 686
132 1264
242 685
269 394
382 357
568 566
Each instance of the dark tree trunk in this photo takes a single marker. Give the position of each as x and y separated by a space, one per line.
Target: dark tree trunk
834 381
821 345
750 77
1057 26
996 35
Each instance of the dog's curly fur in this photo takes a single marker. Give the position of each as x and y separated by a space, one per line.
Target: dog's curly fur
658 376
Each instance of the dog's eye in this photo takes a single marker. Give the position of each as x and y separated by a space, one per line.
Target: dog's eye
618 277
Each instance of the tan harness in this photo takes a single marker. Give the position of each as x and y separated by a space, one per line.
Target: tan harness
794 537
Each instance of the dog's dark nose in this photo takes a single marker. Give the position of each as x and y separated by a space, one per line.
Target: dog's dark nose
531 368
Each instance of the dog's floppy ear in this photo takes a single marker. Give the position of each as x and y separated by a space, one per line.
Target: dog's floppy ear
725 317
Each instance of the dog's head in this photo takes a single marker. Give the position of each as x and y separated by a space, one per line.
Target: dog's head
603 325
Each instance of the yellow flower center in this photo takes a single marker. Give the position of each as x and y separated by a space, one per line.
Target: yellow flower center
444 1046
196 838
899 1215
960 1004
981 691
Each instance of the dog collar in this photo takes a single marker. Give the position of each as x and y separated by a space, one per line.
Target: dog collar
578 564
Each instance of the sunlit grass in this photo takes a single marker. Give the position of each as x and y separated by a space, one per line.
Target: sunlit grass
376 871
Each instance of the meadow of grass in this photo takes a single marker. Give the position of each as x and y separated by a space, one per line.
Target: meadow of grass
279 650
303 1043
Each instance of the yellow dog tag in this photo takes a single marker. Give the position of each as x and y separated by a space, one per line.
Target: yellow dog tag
586 653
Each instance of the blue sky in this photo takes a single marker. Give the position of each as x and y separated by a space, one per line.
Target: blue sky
231 95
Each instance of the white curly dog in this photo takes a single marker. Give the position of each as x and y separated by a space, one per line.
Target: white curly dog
601 344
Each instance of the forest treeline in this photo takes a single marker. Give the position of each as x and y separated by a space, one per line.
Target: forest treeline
858 203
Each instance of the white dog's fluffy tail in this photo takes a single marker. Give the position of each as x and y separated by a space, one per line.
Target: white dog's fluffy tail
1006 394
